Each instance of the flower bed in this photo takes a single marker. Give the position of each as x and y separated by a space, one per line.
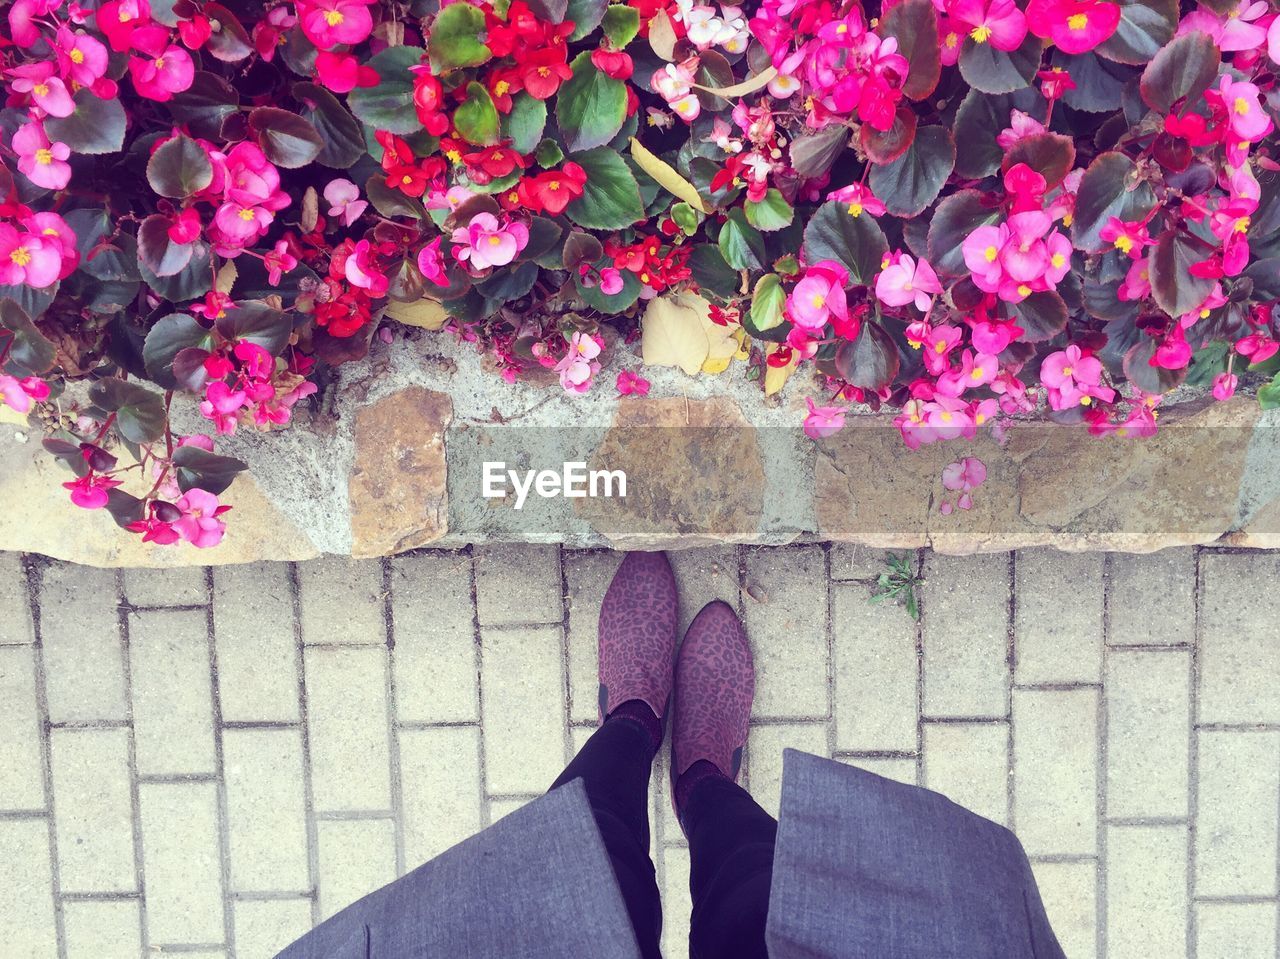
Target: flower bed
972 212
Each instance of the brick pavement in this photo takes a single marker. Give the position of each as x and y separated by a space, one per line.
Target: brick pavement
208 762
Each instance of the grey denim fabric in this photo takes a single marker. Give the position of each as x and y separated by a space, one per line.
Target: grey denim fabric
865 868
534 885
868 868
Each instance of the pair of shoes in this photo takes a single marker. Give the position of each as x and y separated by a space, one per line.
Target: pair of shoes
713 675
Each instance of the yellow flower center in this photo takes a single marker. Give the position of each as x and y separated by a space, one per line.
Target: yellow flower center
555 185
1057 260
946 416
951 40
1204 313
405 181
125 16
44 156
454 156
980 33
494 239
1067 371
980 418
501 88
21 256
1242 224
544 71
1241 106
940 346
842 28
818 302
644 277
76 55
977 373
855 209
1024 290
1086 401
1124 244
333 17
1077 21
1066 220
41 89
159 63
990 254
246 213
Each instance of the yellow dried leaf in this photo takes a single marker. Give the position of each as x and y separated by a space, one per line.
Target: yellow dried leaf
667 177
674 333
226 277
424 313
722 346
775 377
662 36
749 85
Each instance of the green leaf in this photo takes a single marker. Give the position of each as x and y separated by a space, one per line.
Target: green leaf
549 154
911 182
1183 69
30 352
140 415
389 105
255 321
341 140
711 273
1041 315
476 117
1100 84
955 218
767 302
813 154
855 242
1109 188
169 337
621 23
229 42
1269 394
1175 289
550 11
1145 27
179 168
611 197
871 361
523 126
740 243
391 202
288 140
994 71
914 24
624 299
979 120
590 107
771 213
1049 154
96 126
201 469
157 252
585 16
204 105
454 39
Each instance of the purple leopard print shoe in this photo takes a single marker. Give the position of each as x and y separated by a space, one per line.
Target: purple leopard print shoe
715 684
638 634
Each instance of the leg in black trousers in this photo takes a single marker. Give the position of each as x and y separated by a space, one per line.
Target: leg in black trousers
731 842
614 765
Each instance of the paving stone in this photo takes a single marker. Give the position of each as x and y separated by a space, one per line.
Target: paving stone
855 561
440 788
266 810
1152 598
183 864
899 770
15 602
518 584
969 764
21 763
1069 891
83 658
578 736
1239 790
26 896
703 575
102 929
347 725
1055 761
1146 890
1235 930
1148 733
342 601
764 756
264 927
172 692
677 903
875 670
787 597
966 635
179 586
436 659
587 576
356 857
524 715
253 627
1239 655
1058 617
501 808
93 810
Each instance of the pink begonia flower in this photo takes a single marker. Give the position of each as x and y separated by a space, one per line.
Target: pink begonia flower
859 198
963 476
972 372
22 394
993 337
328 23
90 491
1273 41
905 281
1224 386
1021 126
28 259
1216 298
998 22
579 365
1129 238
431 263
42 162
46 90
81 57
159 79
221 404
1174 352
981 250
486 243
241 224
674 82
344 201
1072 378
362 270
610 281
1141 421
279 262
630 383
199 524
1074 26
1012 394
1245 116
823 421
1137 282
53 229
186 226
1257 347
1233 31
819 296
449 200
23 31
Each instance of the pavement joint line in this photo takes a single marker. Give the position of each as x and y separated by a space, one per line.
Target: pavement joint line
1239 899
1065 858
178 948
1056 687
1010 662
393 732
416 724
967 720
1193 749
260 724
220 792
829 635
102 896
1102 766
1148 821
477 642
23 815
135 781
273 895
921 773
875 754
308 787
171 779
92 723
354 815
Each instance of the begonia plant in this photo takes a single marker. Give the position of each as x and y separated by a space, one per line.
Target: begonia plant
972 211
